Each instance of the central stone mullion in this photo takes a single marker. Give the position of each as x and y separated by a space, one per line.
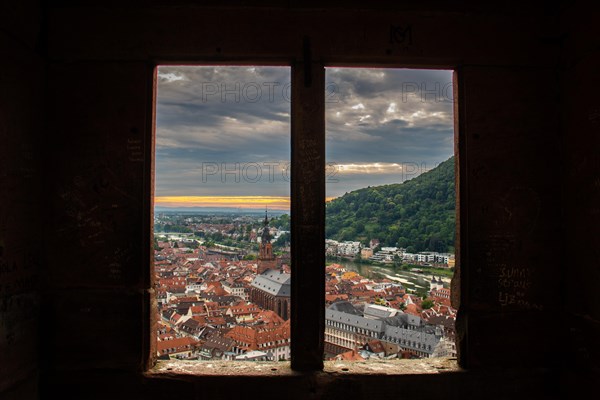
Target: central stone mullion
308 216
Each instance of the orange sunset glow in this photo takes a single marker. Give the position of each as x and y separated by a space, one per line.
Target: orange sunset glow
273 202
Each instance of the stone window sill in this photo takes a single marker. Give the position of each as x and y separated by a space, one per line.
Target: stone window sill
282 368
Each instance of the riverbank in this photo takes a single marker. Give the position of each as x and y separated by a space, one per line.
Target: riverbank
414 268
445 272
415 282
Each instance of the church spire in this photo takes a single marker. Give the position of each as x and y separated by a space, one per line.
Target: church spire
266 260
266 233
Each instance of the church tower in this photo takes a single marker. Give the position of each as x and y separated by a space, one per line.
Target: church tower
266 260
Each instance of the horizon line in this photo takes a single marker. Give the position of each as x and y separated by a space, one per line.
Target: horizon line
252 202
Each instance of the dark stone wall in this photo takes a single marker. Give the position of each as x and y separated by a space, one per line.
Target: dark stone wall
528 167
580 119
513 215
22 76
97 119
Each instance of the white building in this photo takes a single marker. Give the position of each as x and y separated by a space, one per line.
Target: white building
387 254
195 287
236 289
348 248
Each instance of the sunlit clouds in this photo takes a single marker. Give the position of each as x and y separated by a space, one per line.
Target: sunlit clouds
223 137
171 77
386 125
223 133
369 168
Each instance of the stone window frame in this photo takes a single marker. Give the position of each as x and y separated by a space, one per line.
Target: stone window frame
307 222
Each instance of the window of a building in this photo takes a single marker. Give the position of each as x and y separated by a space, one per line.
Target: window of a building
243 157
390 219
222 211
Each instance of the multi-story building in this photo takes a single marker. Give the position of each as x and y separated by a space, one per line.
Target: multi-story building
180 348
331 247
366 253
440 293
216 348
243 312
271 288
272 339
436 284
235 288
348 248
430 257
386 254
347 328
410 334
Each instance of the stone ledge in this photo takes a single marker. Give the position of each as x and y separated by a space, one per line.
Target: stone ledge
251 368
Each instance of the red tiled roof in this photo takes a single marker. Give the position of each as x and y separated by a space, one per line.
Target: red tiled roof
376 346
334 297
197 310
241 308
351 355
254 338
412 309
269 317
175 345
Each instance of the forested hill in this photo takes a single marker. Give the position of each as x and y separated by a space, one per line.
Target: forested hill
418 214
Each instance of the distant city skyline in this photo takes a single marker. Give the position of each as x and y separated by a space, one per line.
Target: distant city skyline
223 132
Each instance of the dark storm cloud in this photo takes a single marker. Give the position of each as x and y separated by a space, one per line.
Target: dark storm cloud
230 118
412 145
388 117
240 116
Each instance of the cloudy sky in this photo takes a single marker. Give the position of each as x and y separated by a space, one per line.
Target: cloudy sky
223 133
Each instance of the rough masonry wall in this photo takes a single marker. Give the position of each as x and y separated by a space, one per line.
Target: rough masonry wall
21 231
98 164
580 63
97 119
513 215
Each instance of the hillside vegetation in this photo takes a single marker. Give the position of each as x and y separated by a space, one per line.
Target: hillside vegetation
418 214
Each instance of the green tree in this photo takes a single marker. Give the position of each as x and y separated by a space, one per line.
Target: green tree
282 240
419 212
426 304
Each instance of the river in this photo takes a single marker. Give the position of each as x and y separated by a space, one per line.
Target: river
410 280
